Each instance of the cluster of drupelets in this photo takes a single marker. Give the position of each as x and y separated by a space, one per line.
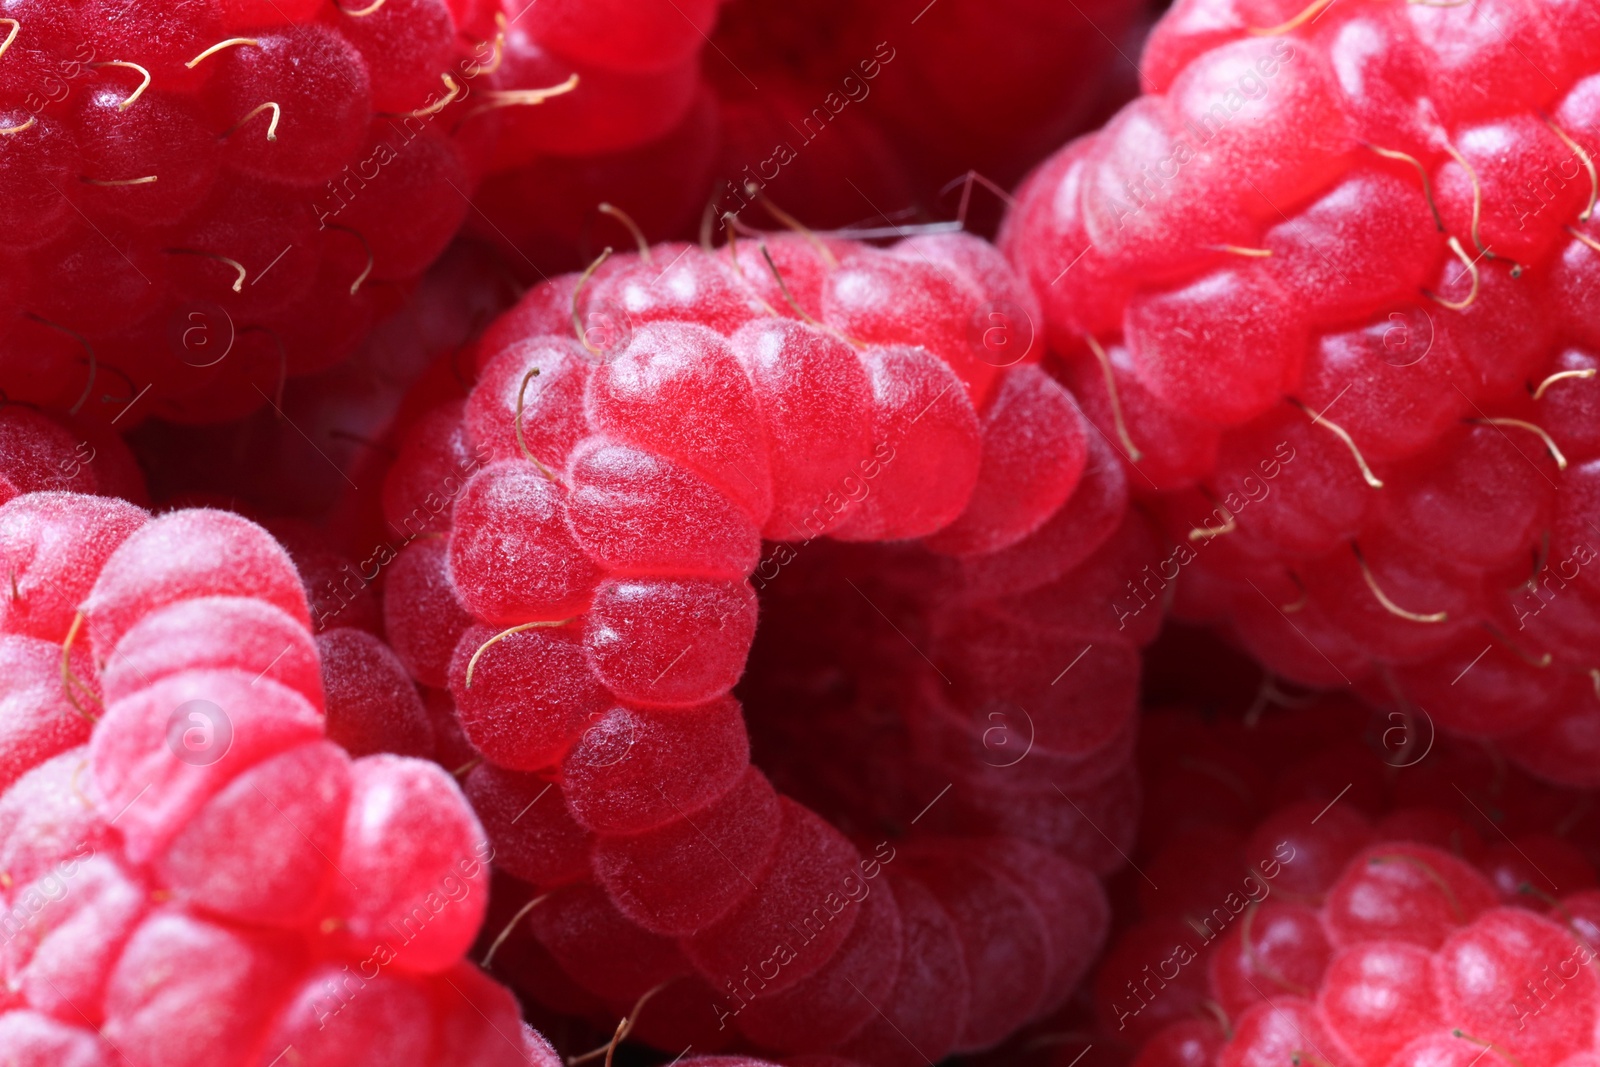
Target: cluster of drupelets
205 198
1323 894
191 870
244 842
592 603
1330 287
187 863
208 198
1326 295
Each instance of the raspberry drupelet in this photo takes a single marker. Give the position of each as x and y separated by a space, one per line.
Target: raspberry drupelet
676 441
1329 287
39 452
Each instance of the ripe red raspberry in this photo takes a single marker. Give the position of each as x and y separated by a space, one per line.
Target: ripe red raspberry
844 110
621 500
191 868
1321 892
1328 284
204 199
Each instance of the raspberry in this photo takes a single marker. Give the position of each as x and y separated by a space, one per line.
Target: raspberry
189 864
647 485
538 843
40 720
1410 948
53 544
193 634
648 873
828 104
1422 267
192 183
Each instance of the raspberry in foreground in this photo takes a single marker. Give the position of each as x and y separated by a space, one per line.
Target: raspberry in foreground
191 869
623 498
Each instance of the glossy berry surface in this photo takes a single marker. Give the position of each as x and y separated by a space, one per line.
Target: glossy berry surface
189 186
684 466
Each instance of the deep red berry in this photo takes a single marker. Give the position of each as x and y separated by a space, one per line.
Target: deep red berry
189 184
823 106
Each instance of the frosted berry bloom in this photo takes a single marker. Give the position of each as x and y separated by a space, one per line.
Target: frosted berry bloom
674 445
1329 285
194 871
